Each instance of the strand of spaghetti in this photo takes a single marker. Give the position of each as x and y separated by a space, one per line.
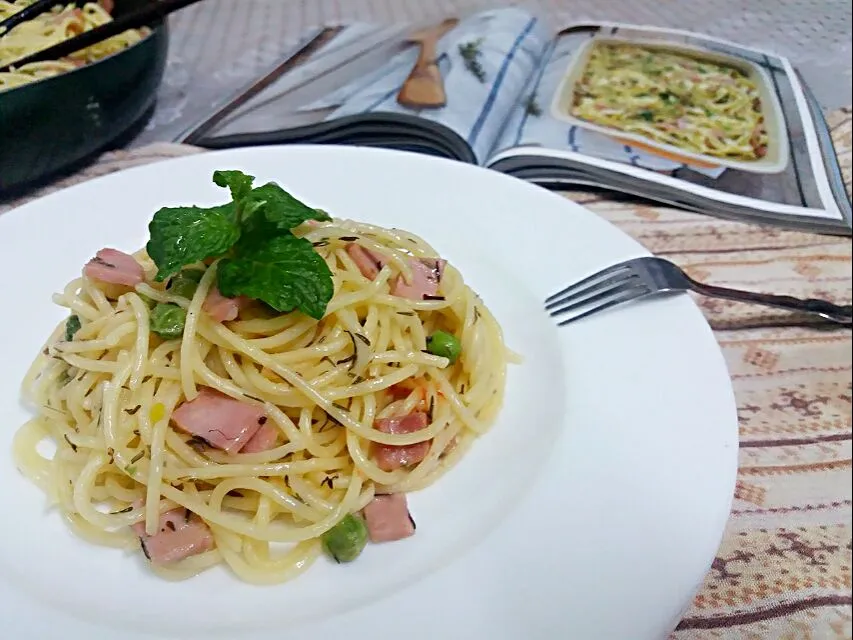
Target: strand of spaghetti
110 410
366 466
188 342
90 364
189 567
83 503
30 463
157 448
312 441
80 308
212 472
350 299
264 489
39 362
101 303
294 562
291 377
286 337
277 533
110 341
453 398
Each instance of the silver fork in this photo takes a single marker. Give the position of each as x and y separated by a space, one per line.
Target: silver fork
642 277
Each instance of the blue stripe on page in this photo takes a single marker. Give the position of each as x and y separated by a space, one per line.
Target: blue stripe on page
490 100
633 158
573 142
382 99
544 61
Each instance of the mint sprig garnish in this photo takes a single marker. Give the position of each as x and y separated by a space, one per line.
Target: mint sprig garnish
280 208
261 258
186 235
237 182
283 271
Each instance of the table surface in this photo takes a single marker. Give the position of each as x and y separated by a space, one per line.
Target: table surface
783 570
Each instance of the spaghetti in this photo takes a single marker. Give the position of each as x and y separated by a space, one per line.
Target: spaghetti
59 24
113 398
690 103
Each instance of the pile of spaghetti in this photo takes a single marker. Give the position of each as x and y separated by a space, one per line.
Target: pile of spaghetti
261 383
694 104
61 23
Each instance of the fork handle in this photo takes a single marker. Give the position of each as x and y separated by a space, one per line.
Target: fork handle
830 311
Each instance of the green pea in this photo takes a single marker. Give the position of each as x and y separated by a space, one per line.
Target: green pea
445 345
346 540
167 320
72 326
185 283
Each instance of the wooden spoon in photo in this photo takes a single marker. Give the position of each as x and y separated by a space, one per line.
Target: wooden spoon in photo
424 88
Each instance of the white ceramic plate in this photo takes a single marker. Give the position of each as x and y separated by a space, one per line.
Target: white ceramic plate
592 510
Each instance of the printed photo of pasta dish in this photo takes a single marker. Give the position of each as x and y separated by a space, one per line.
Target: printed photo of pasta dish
260 385
696 105
61 23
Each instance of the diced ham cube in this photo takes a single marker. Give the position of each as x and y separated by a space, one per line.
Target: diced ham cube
388 518
114 267
223 309
263 440
225 423
367 262
180 534
426 276
390 457
403 424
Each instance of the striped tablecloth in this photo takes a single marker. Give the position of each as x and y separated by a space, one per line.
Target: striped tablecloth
783 569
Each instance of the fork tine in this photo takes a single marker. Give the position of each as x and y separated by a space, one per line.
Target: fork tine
608 284
572 304
611 300
588 280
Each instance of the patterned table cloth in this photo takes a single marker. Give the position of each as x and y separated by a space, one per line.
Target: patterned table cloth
783 569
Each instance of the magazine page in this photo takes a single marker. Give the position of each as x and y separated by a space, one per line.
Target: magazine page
677 110
484 61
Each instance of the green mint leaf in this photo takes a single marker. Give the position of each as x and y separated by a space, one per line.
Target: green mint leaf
283 271
72 326
148 302
280 208
168 320
185 283
239 183
185 235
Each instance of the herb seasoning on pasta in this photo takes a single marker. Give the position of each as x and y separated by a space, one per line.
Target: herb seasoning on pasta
260 384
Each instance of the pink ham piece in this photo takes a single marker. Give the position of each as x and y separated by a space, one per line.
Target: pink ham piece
367 262
114 267
225 423
263 440
388 518
426 276
223 309
390 457
180 534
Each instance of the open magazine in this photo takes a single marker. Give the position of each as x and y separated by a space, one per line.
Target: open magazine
672 116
